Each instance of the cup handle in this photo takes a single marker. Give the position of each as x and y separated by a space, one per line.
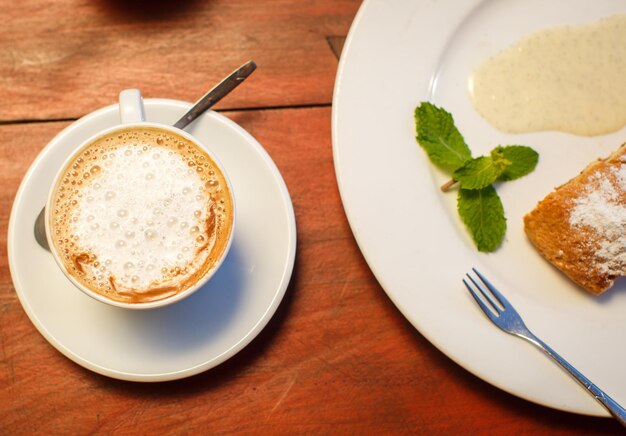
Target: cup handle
131 106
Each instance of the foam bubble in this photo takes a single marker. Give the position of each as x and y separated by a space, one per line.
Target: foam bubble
153 216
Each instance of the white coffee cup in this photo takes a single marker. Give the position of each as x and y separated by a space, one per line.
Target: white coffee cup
214 223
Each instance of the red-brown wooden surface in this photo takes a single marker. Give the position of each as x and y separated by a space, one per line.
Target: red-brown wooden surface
337 357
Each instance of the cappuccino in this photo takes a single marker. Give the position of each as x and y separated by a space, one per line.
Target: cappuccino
140 214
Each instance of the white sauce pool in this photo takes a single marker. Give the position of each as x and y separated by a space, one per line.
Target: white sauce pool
570 79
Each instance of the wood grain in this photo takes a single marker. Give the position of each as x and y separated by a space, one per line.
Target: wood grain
338 357
73 56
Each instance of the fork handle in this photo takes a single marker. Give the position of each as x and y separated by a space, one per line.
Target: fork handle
617 411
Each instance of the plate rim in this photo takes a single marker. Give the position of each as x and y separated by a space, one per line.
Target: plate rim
358 229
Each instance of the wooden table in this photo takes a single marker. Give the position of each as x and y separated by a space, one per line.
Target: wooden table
337 357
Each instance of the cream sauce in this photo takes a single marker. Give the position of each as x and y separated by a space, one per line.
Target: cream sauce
570 79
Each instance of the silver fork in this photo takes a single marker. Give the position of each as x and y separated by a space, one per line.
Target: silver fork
503 314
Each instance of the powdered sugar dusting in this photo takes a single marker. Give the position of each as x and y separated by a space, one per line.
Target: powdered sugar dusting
601 208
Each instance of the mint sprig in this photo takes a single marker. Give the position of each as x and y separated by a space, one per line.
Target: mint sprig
438 135
481 172
482 213
478 203
523 161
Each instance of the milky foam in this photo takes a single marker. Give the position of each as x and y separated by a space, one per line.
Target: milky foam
141 216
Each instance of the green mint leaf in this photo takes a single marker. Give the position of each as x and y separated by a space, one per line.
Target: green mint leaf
481 172
483 214
523 160
439 137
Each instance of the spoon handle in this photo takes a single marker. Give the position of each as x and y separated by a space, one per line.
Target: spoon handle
216 94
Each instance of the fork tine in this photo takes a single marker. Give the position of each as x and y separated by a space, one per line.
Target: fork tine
497 308
503 301
486 309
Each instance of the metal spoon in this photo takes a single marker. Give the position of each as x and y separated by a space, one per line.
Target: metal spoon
218 92
209 99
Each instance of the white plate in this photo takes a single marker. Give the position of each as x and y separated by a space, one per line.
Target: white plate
398 54
194 334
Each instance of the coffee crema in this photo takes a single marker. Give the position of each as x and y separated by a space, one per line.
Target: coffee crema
140 215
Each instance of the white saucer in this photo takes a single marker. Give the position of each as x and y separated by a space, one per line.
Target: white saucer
194 334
